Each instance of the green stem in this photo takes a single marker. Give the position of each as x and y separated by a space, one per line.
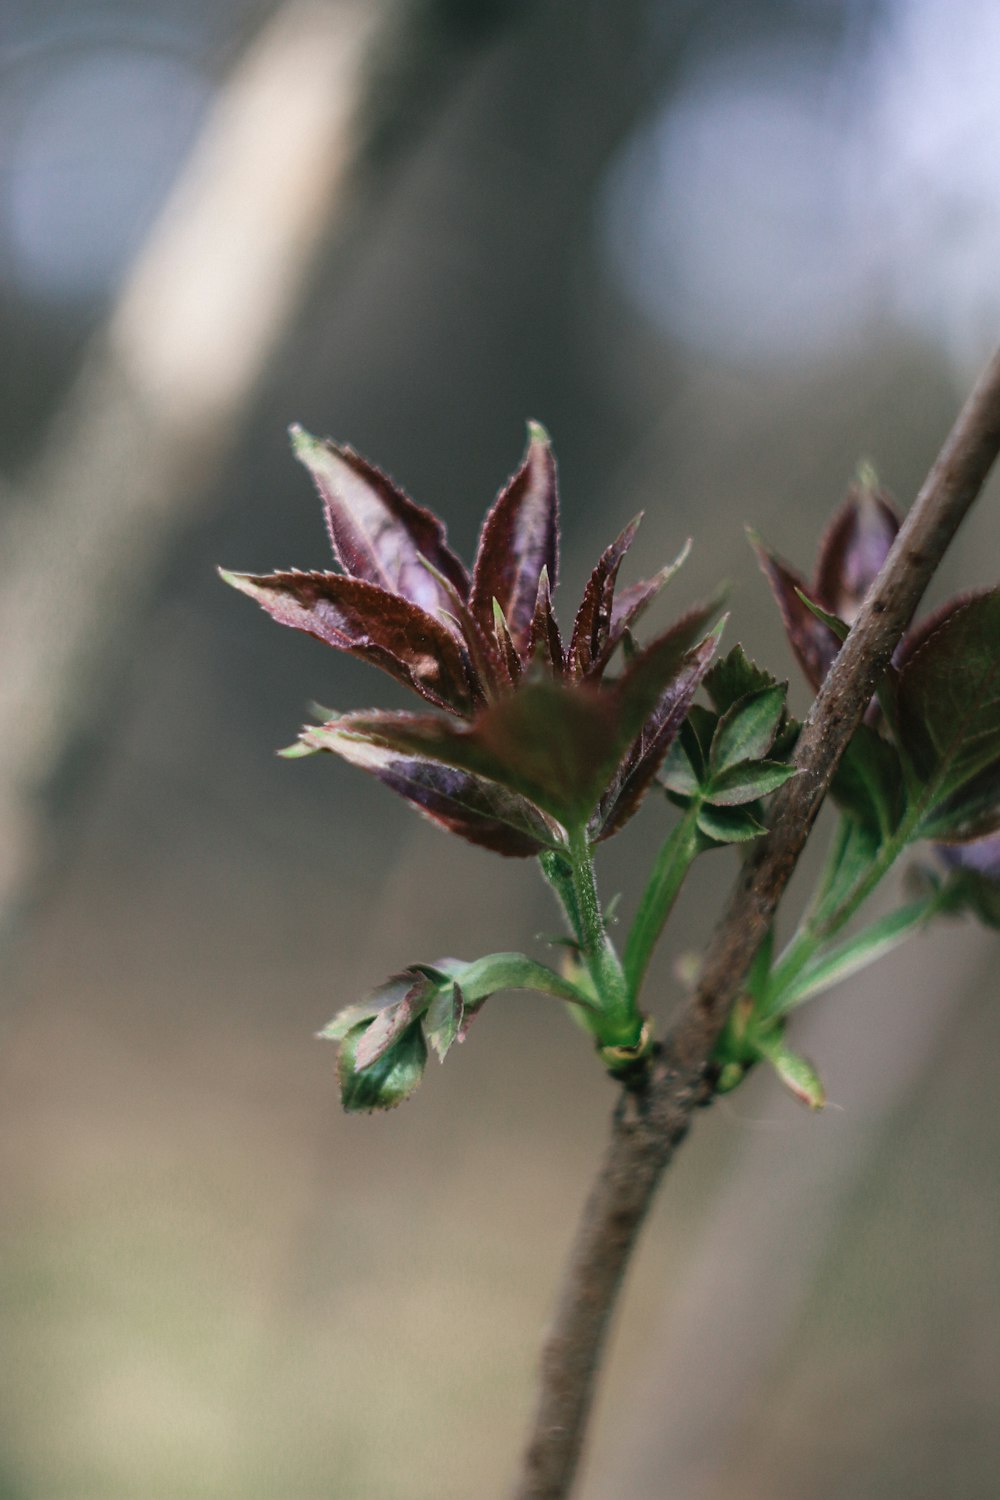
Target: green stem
672 864
620 1024
558 871
817 930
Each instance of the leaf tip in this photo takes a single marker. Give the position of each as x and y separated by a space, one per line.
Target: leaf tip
538 434
297 751
304 444
866 476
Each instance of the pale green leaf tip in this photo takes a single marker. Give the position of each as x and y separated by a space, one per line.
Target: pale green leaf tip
538 434
866 476
298 751
304 444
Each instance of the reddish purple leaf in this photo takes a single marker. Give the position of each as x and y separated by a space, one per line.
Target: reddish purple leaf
544 641
592 626
519 539
852 550
510 661
629 605
479 810
814 643
921 633
376 531
645 756
948 699
413 646
549 742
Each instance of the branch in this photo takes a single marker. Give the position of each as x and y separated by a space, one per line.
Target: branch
654 1117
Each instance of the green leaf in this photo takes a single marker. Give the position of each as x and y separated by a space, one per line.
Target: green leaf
677 774
484 977
969 814
760 969
855 954
855 847
949 698
839 627
746 731
728 825
734 677
795 1071
389 1080
444 1018
746 781
869 782
696 735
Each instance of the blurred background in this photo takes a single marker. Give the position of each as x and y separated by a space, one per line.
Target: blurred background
723 253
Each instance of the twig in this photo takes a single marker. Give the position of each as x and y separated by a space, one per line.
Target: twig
654 1118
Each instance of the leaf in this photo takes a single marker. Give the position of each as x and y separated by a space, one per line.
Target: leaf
383 997
746 730
735 676
388 1026
592 626
632 602
658 732
386 1082
728 825
833 623
558 744
949 698
854 547
677 774
855 847
507 652
443 1021
519 539
347 1020
544 641
854 955
486 976
376 531
868 783
472 806
363 620
746 781
795 1071
697 733
968 815
813 643
549 742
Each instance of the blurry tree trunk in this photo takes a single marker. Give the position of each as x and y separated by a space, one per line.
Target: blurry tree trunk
159 402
